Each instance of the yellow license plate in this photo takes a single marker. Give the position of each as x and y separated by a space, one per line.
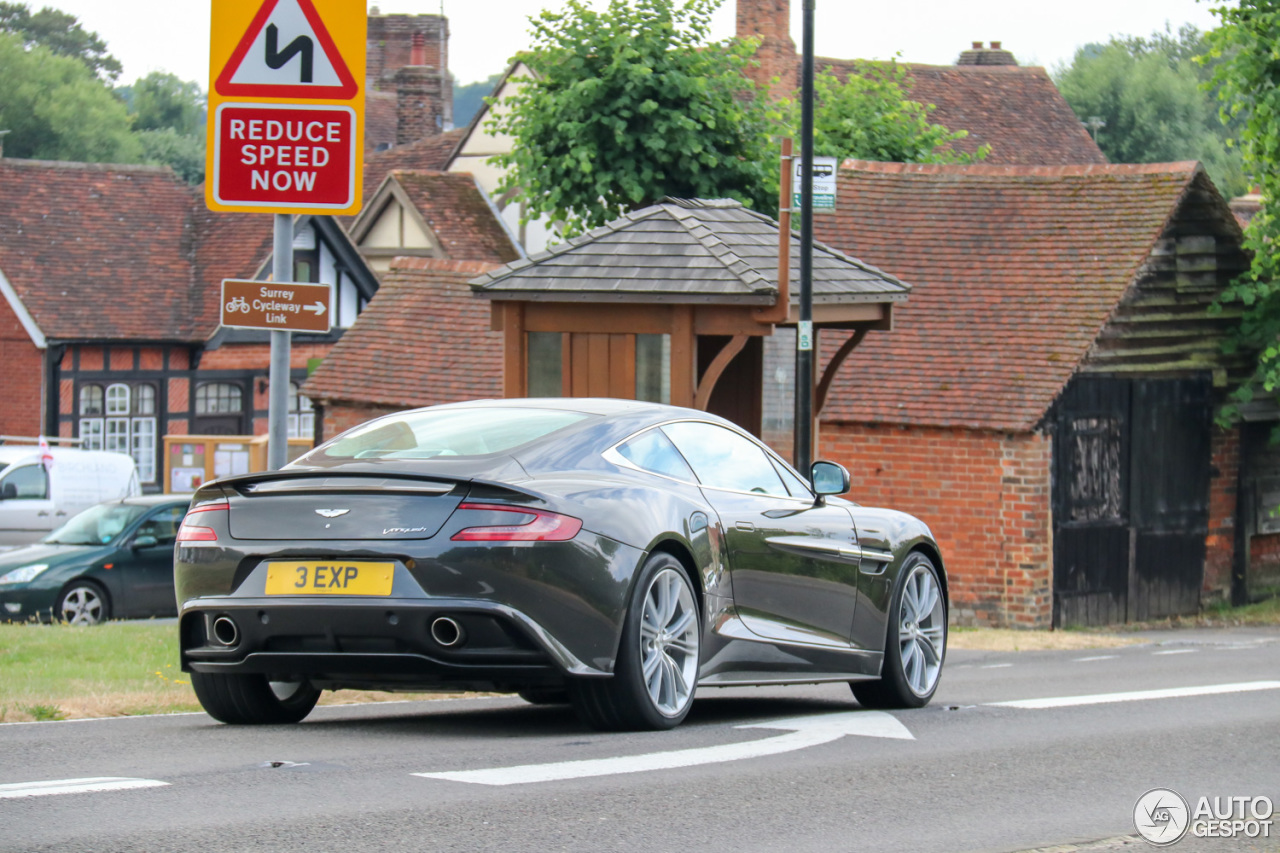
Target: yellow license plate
335 578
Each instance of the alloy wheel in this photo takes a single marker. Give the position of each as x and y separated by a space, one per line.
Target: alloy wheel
82 606
921 630
669 642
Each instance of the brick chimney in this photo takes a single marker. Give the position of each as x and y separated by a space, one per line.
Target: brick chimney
979 55
404 52
770 20
419 97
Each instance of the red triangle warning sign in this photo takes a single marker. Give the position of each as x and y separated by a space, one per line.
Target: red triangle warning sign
286 53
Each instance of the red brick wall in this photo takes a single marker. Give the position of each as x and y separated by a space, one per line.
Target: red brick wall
179 395
258 356
91 358
1223 487
152 358
23 366
984 495
340 417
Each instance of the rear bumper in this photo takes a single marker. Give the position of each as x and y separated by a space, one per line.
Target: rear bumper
378 644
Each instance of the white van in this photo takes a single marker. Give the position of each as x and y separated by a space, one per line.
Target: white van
35 500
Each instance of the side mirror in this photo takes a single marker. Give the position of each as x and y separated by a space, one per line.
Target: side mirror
828 478
8 492
145 542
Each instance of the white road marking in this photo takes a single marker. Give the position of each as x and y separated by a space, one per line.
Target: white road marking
1177 652
996 666
1105 698
803 732
75 786
1096 657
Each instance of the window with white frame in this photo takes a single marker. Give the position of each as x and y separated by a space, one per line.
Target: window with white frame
121 418
302 416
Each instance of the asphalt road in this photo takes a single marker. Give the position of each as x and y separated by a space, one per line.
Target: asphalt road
963 774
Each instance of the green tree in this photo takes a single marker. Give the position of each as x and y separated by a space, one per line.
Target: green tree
56 109
169 116
161 100
60 33
1246 69
630 105
870 116
1150 93
182 153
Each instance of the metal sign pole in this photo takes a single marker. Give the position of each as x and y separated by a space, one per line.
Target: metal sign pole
278 391
802 452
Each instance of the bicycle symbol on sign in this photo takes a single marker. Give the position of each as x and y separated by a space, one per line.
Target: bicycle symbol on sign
238 304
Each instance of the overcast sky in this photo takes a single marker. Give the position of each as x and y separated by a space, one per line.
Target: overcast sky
173 35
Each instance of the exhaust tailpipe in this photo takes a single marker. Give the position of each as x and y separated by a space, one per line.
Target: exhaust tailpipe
447 632
225 631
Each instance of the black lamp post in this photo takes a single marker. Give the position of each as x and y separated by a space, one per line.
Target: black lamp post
806 339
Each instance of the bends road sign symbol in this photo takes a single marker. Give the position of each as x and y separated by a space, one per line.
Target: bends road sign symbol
287 52
278 306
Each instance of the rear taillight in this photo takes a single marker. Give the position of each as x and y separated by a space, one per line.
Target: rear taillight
190 532
533 525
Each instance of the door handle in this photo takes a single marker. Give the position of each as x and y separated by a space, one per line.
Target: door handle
60 513
44 513
744 525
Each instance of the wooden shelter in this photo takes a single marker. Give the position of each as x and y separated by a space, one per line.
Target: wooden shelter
671 303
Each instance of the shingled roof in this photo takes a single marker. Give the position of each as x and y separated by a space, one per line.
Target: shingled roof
684 250
1018 111
423 340
1016 271
99 251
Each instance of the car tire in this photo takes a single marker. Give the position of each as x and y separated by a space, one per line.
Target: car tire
82 602
656 673
915 642
253 699
545 696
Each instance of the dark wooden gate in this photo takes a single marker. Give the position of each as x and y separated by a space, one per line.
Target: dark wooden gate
1130 499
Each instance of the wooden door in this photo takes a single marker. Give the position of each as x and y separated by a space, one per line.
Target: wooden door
1130 499
599 365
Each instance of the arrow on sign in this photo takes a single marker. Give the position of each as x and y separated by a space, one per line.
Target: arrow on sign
802 732
317 309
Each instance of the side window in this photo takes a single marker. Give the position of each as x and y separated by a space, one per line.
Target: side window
164 524
722 459
797 487
29 481
653 451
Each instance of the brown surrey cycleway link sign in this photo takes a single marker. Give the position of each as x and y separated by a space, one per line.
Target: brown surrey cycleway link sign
277 306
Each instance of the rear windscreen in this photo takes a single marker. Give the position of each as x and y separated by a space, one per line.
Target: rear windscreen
447 432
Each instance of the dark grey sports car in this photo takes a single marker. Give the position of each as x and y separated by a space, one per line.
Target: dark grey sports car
612 554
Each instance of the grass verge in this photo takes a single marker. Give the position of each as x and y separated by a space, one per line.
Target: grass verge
121 669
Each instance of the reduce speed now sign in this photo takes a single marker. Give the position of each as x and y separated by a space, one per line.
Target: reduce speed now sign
286 129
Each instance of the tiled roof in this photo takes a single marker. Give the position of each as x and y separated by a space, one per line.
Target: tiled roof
423 340
99 251
455 208
695 249
108 252
430 154
229 245
1017 110
1016 270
